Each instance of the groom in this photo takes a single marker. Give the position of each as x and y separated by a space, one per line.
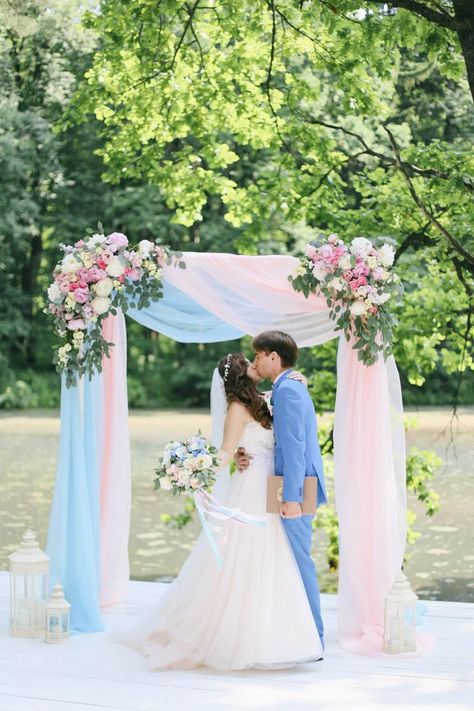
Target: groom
297 452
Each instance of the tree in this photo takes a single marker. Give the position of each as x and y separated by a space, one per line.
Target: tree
297 117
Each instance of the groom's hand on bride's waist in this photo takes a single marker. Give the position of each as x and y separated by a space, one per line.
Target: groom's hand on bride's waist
290 509
242 459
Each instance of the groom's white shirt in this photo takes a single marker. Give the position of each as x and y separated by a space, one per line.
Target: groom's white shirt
280 375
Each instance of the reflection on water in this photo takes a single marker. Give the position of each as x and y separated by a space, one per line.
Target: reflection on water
442 561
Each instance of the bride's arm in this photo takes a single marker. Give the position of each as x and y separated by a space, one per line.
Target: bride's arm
235 421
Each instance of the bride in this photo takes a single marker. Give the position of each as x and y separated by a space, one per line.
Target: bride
253 612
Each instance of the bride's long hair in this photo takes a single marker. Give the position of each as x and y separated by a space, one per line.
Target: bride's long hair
240 388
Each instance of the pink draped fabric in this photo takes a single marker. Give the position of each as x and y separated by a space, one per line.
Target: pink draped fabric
253 294
115 480
370 497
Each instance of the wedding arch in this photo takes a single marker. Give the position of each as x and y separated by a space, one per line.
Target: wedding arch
219 297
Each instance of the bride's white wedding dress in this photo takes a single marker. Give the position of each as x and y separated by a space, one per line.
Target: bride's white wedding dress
251 613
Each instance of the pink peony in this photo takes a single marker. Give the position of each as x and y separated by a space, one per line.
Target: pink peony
326 251
116 240
76 324
96 274
81 296
378 273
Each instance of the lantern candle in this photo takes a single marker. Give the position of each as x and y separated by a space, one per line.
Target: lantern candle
29 569
57 617
400 618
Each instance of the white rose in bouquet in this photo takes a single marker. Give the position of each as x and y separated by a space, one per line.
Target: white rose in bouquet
144 248
54 293
380 298
115 267
319 272
345 262
166 483
95 240
386 255
360 247
337 284
104 287
358 308
70 264
100 304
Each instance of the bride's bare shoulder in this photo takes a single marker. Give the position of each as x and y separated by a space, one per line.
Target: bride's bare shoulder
238 411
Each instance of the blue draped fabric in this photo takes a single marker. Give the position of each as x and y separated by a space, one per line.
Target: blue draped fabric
74 528
178 316
74 535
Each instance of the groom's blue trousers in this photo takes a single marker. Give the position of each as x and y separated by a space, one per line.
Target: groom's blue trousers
299 532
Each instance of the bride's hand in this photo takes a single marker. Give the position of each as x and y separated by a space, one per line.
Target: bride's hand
296 375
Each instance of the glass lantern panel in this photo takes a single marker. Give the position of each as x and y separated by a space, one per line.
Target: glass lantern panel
65 623
54 624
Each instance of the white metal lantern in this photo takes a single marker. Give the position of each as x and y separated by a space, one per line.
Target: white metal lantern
400 617
57 616
29 570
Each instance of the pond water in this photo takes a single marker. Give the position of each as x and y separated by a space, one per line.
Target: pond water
441 564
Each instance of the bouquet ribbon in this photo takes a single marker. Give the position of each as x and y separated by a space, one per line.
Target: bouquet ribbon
208 505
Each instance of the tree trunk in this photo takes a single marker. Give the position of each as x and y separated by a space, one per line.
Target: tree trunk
464 13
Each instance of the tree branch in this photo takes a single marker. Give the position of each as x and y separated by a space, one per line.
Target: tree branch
455 244
437 17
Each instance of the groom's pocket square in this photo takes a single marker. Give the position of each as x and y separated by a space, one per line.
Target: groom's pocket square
275 494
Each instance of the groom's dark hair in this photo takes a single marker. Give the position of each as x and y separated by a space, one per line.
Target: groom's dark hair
280 342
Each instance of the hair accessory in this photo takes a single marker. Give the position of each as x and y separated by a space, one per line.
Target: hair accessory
227 366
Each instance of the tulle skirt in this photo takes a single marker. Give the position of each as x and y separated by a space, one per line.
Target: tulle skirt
251 613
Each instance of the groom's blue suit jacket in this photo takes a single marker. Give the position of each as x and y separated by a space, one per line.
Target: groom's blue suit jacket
297 452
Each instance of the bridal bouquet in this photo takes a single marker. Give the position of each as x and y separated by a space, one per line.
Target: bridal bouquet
187 466
95 276
359 286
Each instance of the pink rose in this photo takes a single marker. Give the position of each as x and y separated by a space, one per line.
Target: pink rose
80 243
76 324
347 274
81 295
373 310
354 284
362 281
101 263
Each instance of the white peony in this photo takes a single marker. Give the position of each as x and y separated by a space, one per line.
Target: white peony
358 308
70 264
145 247
100 304
104 287
54 293
386 255
115 267
360 247
166 483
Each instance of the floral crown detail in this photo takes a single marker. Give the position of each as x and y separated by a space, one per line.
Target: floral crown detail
227 366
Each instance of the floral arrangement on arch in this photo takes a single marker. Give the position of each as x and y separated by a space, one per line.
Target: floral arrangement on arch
359 286
96 276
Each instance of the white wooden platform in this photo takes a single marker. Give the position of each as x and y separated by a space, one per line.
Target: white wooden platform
93 673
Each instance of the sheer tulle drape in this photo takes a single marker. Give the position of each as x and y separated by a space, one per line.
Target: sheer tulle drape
231 295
